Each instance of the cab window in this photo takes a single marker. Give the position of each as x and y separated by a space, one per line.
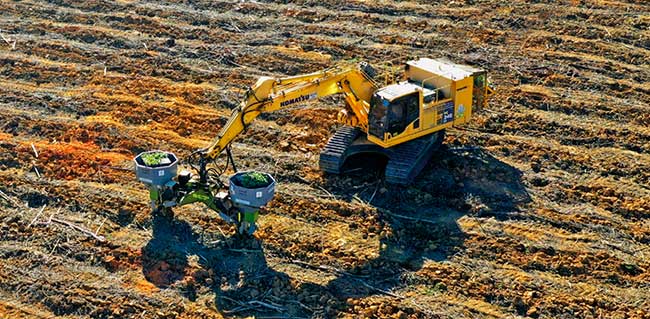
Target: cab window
393 117
403 111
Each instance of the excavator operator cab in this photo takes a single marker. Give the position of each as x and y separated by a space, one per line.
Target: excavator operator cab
393 109
434 95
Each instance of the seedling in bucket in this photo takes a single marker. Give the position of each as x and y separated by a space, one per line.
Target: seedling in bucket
247 192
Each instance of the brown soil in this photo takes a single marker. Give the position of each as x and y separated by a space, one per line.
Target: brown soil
539 208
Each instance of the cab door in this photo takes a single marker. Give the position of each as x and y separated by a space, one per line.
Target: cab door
402 112
393 116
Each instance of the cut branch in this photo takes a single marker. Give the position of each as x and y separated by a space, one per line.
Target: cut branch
34 149
326 268
417 219
37 173
37 216
100 226
9 199
385 292
76 227
345 273
5 39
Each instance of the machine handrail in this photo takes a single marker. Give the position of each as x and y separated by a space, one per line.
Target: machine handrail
435 90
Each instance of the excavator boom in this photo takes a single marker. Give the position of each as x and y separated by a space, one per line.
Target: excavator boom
272 94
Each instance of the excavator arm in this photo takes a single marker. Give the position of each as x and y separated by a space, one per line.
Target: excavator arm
272 94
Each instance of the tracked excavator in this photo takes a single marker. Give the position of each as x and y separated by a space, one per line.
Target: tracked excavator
403 121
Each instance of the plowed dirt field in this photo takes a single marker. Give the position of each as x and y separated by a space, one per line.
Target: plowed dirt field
540 208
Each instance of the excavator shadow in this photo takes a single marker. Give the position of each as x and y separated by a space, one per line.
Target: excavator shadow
235 270
423 217
463 179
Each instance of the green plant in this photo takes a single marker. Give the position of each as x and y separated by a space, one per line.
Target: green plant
254 180
155 158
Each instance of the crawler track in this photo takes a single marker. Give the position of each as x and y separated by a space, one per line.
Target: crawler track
333 155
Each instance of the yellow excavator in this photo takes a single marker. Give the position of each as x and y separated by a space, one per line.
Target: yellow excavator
403 121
